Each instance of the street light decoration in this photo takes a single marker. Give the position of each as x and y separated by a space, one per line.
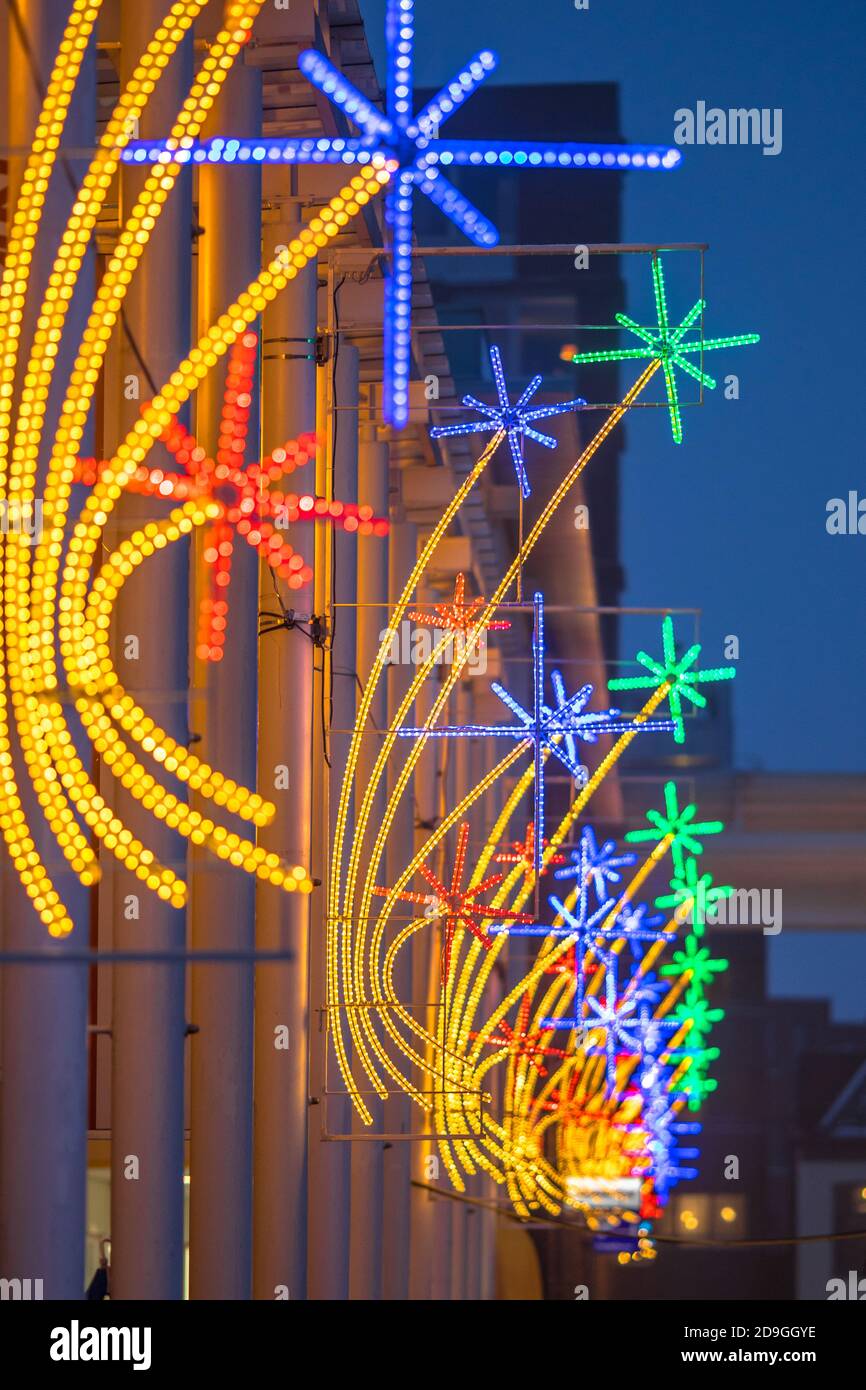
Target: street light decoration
60 595
458 907
548 730
413 144
514 422
678 673
667 345
459 615
251 506
55 599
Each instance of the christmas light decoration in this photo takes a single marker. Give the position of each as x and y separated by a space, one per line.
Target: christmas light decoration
667 346
623 1023
693 896
677 673
515 421
697 1014
522 852
250 506
458 907
553 731
458 615
343 946
610 1088
442 1063
414 146
596 864
695 962
51 592
695 1085
520 1042
680 824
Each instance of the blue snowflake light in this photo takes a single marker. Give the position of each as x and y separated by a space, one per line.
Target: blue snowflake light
599 865
551 731
627 1024
413 143
593 931
515 421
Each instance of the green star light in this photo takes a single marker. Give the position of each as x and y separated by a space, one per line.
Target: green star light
700 1015
696 1085
679 823
693 895
668 347
696 961
684 682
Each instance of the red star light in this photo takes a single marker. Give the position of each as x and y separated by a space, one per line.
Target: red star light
458 907
523 852
521 1042
458 615
252 508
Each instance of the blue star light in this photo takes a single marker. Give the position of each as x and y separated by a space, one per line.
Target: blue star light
598 864
553 731
586 929
514 421
632 920
627 1026
411 141
648 988
591 936
663 1125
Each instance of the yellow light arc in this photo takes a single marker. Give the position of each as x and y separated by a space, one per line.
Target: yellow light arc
67 590
59 591
510 1150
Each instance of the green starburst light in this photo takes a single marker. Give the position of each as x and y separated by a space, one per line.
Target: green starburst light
681 824
669 346
693 896
696 961
684 681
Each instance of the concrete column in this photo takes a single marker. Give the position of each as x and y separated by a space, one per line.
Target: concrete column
461 712
148 1010
366 1270
223 898
427 1214
285 741
489 809
336 703
400 1114
43 1098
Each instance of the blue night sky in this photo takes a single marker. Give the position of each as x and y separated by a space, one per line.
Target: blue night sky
733 521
